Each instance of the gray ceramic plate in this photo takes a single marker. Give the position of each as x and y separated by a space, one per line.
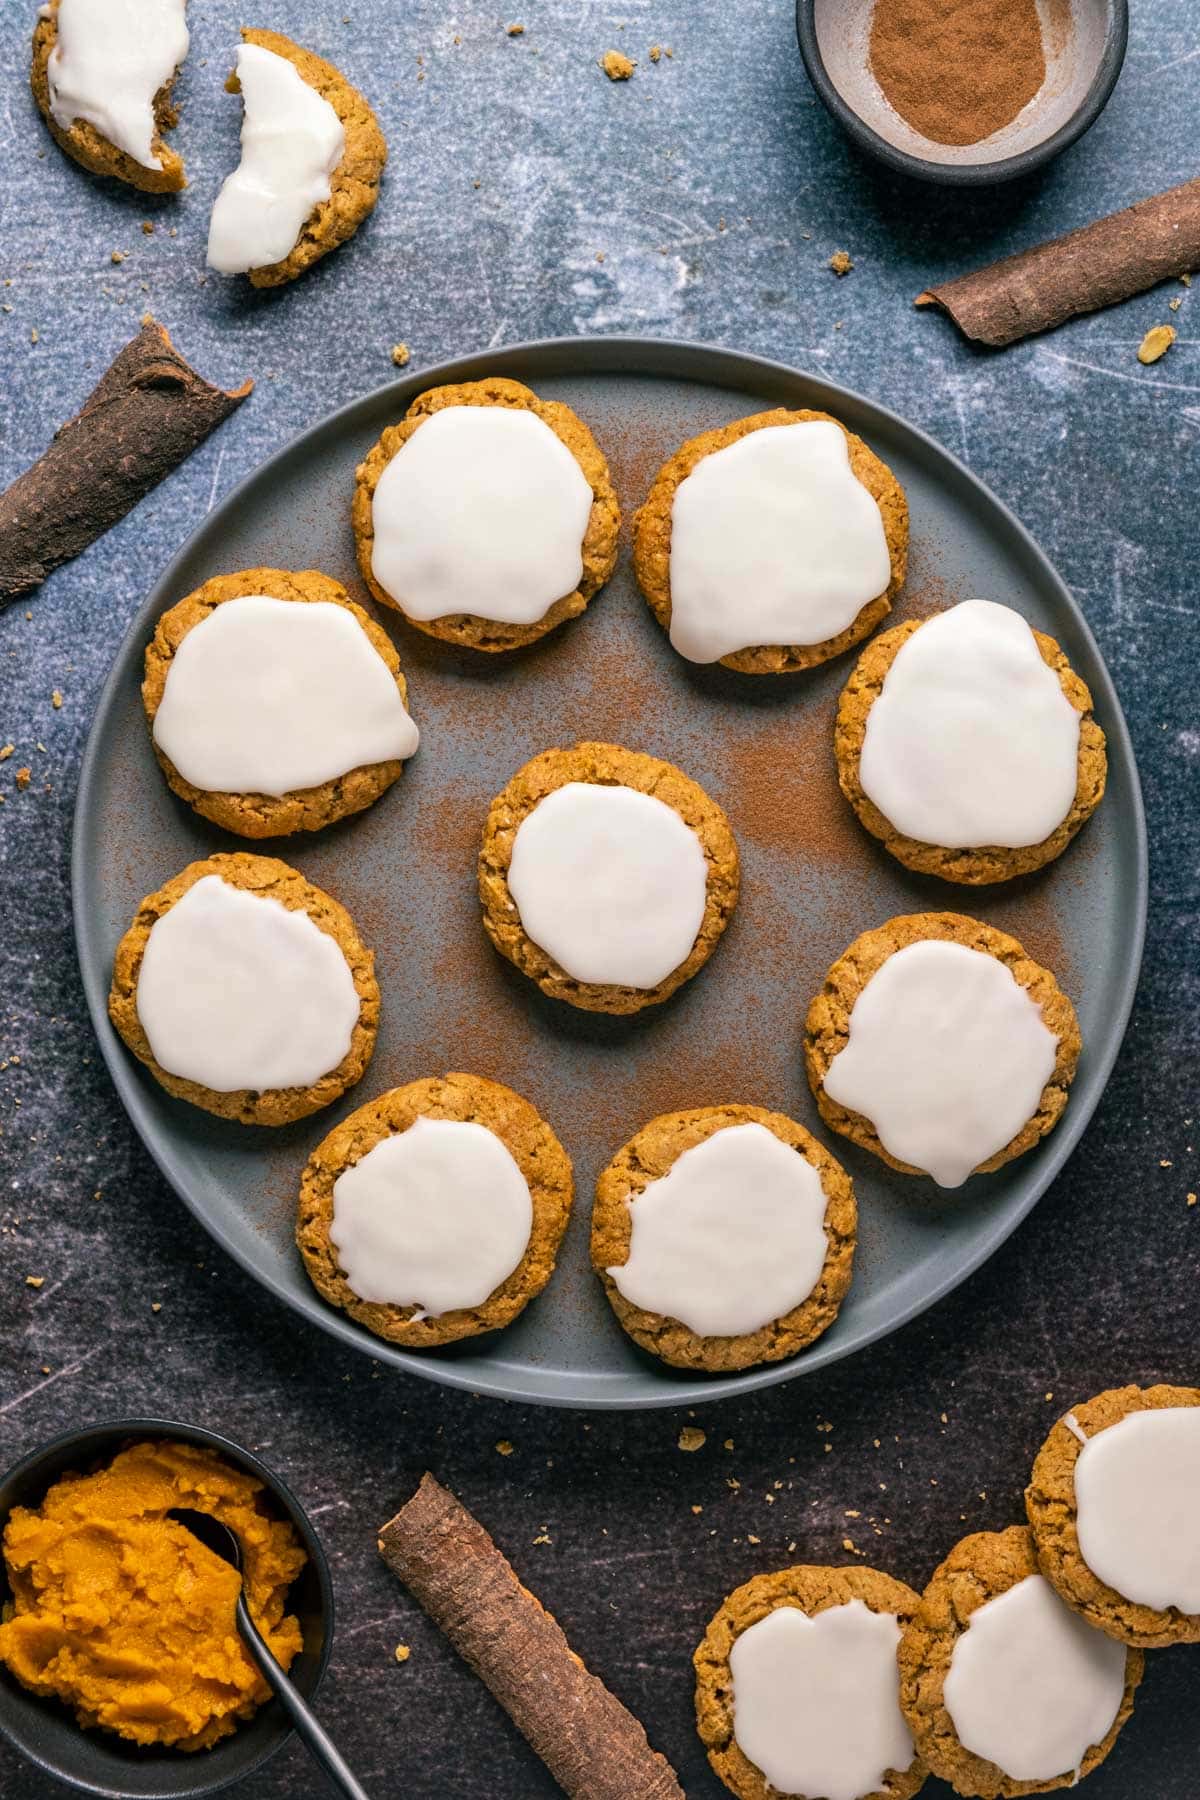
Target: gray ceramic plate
762 747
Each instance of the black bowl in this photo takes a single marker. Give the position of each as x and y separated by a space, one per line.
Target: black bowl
98 1762
1103 28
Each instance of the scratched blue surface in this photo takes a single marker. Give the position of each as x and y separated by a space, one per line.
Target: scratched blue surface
528 196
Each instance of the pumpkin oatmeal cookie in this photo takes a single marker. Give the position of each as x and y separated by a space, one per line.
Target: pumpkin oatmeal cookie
993 1656
864 1613
598 536
652 528
540 1163
1137 1516
795 1240
976 864
259 815
354 183
627 885
955 1084
87 145
260 1017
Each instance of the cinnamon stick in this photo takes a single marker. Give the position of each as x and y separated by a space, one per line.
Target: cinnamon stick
147 413
592 1746
1095 266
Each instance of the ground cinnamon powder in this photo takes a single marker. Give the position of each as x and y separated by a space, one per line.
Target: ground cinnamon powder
957 70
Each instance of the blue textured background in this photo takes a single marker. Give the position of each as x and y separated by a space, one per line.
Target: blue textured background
715 188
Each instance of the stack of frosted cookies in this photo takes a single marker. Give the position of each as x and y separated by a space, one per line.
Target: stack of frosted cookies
1016 1668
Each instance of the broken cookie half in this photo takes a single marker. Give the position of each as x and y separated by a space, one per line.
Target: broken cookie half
312 158
102 75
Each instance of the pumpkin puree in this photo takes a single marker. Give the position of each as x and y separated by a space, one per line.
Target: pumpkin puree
121 1613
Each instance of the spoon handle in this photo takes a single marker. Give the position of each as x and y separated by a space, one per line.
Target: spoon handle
317 1741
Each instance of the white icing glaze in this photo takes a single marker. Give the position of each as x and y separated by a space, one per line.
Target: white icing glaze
292 141
1137 1495
110 59
270 696
435 1217
238 991
730 1238
972 740
773 541
483 510
816 1702
947 1057
1030 1687
609 882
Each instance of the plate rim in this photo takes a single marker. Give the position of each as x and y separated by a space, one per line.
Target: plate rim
720 366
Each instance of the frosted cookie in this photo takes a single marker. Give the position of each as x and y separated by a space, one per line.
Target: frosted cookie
941 1046
1114 1503
275 704
487 516
724 1237
102 78
797 1692
1007 1691
966 743
771 544
606 876
246 991
312 160
436 1211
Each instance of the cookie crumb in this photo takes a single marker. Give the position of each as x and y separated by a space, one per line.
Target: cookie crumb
118 256
504 1448
1156 343
1191 1199
729 1443
616 66
23 778
543 1538
751 1539
34 1281
692 1438
841 262
33 336
400 354
655 52
402 1653
1176 303
148 227
697 1509
56 699
6 750
515 30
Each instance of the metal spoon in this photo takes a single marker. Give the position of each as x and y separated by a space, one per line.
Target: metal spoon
225 1543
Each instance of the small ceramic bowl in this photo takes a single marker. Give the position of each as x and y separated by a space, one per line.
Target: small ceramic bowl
1082 65
98 1762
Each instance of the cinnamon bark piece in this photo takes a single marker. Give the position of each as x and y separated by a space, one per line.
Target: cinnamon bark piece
592 1746
1096 266
148 412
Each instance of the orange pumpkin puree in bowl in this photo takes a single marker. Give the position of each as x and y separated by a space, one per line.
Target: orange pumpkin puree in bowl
122 1614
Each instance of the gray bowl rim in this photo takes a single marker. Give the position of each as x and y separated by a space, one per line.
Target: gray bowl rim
684 359
120 1430
1006 168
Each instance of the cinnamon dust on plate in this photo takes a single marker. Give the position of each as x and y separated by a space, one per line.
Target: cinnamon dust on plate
959 70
